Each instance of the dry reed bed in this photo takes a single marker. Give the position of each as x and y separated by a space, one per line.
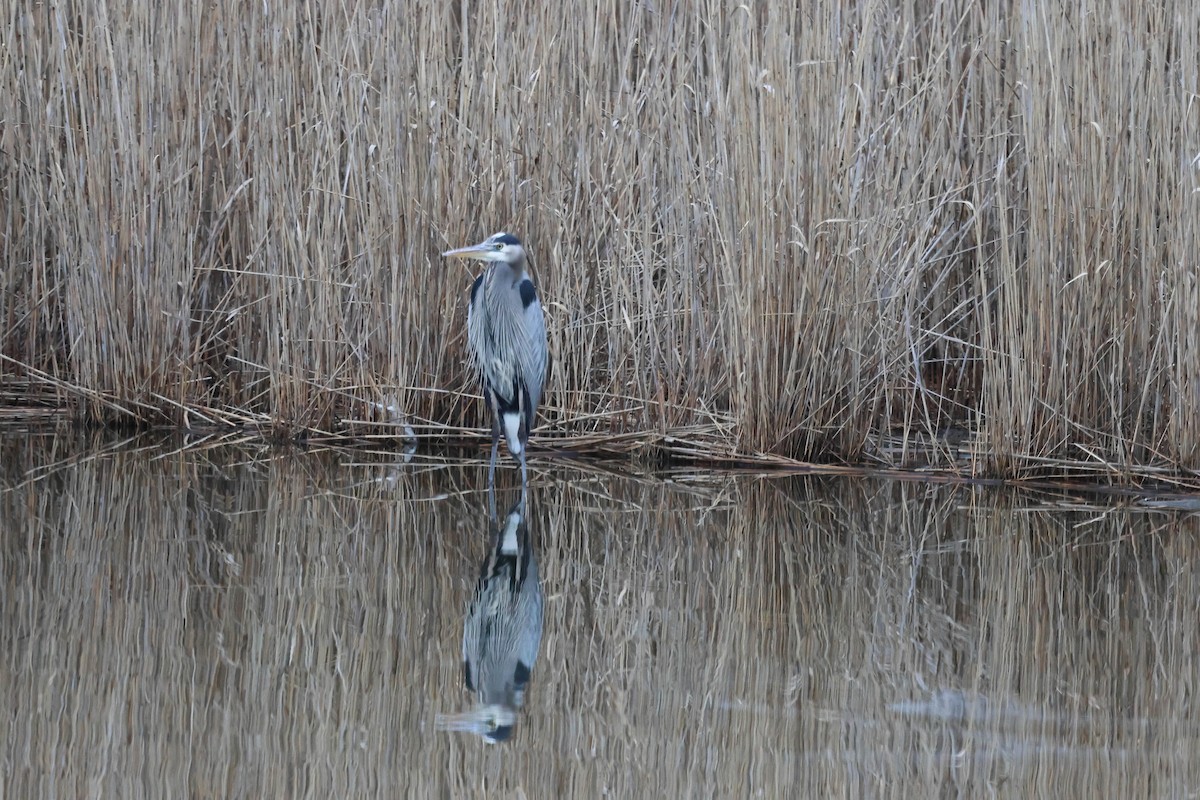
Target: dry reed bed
804 233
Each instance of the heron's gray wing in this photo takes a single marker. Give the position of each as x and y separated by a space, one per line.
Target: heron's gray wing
529 611
531 359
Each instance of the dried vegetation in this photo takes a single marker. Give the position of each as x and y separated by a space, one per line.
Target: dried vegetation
826 231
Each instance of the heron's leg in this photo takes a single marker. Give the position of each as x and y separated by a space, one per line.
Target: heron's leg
495 449
524 476
523 435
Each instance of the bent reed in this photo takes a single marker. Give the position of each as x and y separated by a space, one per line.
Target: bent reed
844 233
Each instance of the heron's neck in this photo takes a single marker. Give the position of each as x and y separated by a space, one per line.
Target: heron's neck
504 272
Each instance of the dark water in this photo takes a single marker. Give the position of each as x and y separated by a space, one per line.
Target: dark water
241 622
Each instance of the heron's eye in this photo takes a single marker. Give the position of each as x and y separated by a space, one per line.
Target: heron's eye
498 246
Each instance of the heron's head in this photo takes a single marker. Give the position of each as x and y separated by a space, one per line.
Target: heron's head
503 247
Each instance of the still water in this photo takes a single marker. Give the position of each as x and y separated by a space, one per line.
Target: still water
236 621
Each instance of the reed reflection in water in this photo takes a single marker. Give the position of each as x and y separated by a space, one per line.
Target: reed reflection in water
232 622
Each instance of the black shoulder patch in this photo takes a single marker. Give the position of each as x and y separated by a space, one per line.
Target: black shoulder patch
467 676
475 288
521 675
528 293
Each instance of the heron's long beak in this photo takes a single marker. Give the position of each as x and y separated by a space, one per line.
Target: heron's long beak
481 721
479 252
475 722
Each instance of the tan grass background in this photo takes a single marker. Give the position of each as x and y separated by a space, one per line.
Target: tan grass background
811 232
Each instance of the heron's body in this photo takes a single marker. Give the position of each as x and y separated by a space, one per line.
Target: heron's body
503 630
506 332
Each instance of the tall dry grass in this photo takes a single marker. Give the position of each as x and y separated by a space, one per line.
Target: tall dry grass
813 232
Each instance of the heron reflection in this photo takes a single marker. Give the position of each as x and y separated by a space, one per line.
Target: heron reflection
503 631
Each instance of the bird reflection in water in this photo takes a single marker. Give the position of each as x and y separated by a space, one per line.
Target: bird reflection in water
503 631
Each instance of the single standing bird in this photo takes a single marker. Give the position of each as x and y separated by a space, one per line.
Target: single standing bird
502 632
506 332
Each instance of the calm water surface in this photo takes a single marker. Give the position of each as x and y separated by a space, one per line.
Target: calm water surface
241 622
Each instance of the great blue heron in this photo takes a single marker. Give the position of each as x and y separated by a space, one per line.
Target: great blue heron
507 336
502 633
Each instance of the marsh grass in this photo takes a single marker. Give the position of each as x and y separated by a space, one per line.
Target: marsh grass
829 233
